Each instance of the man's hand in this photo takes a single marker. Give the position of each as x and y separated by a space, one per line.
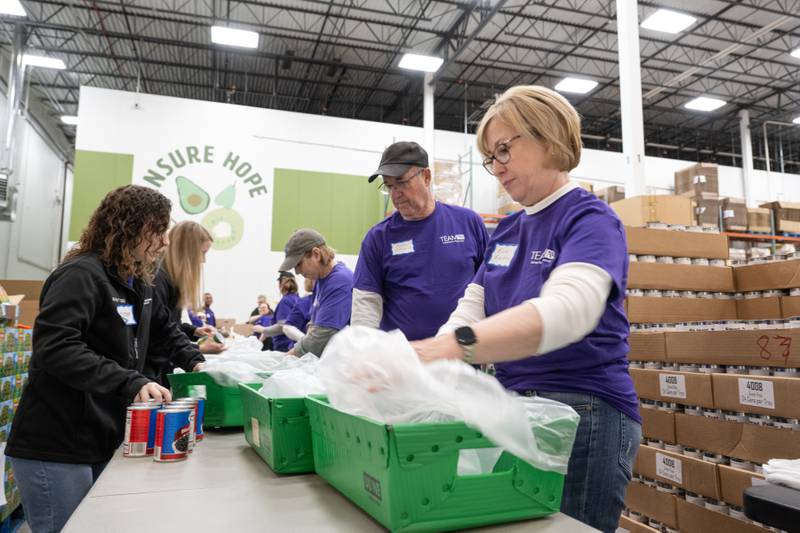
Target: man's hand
205 331
154 391
199 367
212 347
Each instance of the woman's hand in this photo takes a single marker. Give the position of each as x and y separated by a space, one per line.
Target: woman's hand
154 391
205 331
441 347
199 367
258 329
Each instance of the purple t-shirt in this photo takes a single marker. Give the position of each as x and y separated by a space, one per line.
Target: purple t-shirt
282 343
576 228
421 267
333 298
301 313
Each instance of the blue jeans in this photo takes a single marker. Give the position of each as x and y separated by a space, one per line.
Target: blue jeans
52 491
601 463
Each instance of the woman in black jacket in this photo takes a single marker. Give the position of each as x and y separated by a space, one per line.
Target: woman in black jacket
96 321
177 287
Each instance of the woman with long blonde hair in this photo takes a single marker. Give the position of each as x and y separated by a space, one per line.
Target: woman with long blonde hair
178 285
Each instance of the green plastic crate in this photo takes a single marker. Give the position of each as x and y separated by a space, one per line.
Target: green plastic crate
223 405
278 430
405 475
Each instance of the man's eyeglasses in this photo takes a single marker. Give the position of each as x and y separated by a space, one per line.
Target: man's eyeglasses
502 154
399 184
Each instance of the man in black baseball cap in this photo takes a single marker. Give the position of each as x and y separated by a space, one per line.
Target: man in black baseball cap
414 266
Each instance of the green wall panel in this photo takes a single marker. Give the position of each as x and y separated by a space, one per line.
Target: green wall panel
96 173
340 206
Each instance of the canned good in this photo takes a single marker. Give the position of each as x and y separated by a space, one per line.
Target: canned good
665 487
717 263
738 513
647 259
667 529
657 225
794 292
652 365
693 410
647 404
716 414
758 371
140 430
782 423
688 294
710 369
757 468
741 464
652 293
674 448
735 325
692 452
665 259
765 324
760 420
683 260
655 444
710 229
752 295
692 497
649 482
677 227
655 524
696 229
716 458
632 258
723 296
669 407
705 295
738 296
635 292
635 364
672 367
689 367
189 403
638 517
716 505
734 416
737 369
671 294
199 406
173 433
786 372
794 322
773 293
700 261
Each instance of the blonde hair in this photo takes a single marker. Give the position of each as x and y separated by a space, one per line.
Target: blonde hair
183 261
541 114
326 254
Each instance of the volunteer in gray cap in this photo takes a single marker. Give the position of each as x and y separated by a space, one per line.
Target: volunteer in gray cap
309 256
415 265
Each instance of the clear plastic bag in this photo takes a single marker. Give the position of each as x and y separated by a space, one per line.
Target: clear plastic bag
295 382
372 373
228 369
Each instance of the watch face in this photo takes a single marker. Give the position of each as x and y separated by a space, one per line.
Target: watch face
465 336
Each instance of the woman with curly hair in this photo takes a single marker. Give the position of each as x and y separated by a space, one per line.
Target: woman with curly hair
96 321
178 286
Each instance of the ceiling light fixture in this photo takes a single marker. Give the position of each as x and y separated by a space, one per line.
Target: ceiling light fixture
69 120
796 53
12 7
704 103
34 60
575 85
420 62
234 37
668 21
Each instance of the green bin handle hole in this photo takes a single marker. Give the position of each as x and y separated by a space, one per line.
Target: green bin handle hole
435 448
425 502
459 438
410 458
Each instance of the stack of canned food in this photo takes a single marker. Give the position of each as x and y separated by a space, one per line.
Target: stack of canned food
781 372
766 259
167 432
670 260
682 227
709 325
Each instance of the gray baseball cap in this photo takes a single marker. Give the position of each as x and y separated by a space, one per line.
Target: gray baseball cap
399 157
300 243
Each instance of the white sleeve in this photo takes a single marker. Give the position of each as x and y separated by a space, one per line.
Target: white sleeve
367 309
571 303
468 311
293 333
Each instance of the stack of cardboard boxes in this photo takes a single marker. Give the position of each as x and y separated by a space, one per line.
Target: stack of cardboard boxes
700 182
716 365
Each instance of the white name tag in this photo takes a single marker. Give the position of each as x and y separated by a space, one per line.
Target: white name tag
126 312
669 468
756 392
672 385
404 247
503 254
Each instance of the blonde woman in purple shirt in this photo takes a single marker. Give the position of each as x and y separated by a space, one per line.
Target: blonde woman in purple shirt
546 305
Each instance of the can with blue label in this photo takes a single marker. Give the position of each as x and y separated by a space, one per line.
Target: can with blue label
194 405
173 433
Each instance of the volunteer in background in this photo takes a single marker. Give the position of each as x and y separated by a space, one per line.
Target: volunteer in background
546 306
208 317
90 341
261 321
297 323
414 266
309 256
177 286
260 300
258 314
287 285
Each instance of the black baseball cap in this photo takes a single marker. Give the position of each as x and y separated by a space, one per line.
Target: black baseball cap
399 157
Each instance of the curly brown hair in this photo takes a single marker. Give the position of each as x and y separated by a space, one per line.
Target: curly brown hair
125 217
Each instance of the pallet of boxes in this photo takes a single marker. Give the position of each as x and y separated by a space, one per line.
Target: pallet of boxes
716 366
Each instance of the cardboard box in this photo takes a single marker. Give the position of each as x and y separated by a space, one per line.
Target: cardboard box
640 210
658 425
680 277
765 276
644 241
697 179
749 442
28 292
643 309
766 347
687 388
790 306
586 186
787 216
707 209
734 214
696 519
631 526
759 220
695 475
767 395
652 503
759 308
647 346
733 481
611 194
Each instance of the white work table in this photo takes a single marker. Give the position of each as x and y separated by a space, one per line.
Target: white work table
225 486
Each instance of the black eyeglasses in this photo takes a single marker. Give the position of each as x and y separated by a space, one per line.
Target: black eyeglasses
399 184
502 154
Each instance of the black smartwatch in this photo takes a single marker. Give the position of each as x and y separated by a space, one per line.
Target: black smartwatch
466 338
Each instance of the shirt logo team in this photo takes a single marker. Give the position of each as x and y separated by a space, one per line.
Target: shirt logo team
450 239
543 256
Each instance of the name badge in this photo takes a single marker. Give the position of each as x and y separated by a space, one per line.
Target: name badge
503 254
126 312
404 247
